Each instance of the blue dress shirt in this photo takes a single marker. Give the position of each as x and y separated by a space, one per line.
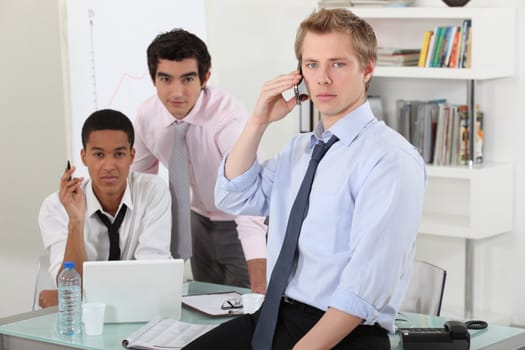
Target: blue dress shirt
357 241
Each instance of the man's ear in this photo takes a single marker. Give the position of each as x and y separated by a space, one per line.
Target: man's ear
132 154
369 70
83 156
205 80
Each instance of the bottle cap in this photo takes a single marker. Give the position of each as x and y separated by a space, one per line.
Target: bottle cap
69 264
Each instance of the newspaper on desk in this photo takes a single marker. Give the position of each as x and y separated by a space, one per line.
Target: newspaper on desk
165 333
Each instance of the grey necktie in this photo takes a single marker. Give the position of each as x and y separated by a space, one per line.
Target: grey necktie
286 262
180 195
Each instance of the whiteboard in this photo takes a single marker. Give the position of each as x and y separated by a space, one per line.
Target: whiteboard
104 49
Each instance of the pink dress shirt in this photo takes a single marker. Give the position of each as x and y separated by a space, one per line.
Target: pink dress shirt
215 121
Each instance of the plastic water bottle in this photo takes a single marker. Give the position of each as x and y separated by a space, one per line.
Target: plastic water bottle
69 301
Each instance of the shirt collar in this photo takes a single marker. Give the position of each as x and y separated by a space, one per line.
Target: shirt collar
92 203
348 128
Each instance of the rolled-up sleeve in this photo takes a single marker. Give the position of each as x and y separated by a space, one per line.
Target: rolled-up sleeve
246 194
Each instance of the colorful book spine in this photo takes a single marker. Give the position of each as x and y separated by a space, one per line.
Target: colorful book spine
451 36
438 46
431 47
424 48
463 51
453 62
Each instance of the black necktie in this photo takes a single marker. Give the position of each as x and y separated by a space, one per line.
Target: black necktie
114 245
286 262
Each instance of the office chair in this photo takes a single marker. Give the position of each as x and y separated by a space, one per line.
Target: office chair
43 279
426 288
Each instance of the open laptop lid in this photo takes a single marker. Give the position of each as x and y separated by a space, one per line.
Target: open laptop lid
135 290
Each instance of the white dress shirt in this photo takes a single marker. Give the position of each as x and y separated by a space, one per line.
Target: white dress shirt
145 232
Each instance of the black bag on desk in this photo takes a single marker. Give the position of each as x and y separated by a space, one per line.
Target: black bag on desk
454 336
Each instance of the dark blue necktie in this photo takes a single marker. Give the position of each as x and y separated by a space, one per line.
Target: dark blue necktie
286 262
114 244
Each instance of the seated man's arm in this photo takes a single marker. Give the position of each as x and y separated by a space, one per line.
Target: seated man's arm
61 221
74 201
48 298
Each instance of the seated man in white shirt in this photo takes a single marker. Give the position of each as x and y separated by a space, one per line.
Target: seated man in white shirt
72 219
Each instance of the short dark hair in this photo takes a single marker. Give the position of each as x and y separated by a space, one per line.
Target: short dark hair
177 45
107 119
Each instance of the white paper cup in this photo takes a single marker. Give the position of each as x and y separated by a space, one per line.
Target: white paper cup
251 302
93 318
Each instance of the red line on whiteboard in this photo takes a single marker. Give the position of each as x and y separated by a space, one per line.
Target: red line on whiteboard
121 81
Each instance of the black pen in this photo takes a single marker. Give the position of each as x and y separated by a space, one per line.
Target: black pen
68 166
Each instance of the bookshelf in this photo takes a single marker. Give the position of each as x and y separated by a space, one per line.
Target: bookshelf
474 202
464 202
493 31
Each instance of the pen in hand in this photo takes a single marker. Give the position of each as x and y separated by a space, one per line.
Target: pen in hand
68 166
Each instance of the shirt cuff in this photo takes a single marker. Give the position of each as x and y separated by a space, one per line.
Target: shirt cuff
353 304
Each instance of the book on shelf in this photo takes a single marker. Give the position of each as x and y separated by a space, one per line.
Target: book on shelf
440 36
385 50
469 50
466 27
424 48
454 54
451 35
440 131
479 135
447 46
398 60
431 47
464 138
390 56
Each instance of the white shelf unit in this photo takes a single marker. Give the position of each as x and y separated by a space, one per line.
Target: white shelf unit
472 203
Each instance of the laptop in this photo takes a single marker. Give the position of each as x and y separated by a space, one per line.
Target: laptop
135 290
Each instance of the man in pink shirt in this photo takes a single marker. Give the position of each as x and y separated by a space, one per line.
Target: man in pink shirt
225 249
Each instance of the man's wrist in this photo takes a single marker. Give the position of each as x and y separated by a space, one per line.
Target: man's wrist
75 223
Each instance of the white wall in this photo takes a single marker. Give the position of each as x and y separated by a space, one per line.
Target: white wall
32 144
250 42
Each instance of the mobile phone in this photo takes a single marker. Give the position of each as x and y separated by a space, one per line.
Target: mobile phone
300 89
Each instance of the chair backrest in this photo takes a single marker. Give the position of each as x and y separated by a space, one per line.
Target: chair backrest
43 279
425 291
